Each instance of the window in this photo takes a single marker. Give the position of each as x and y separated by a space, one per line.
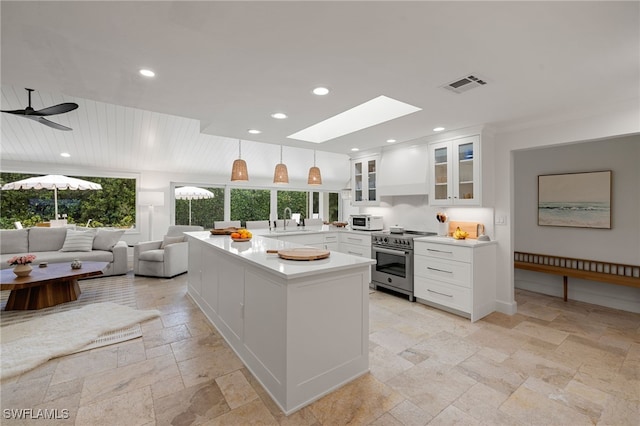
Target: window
295 200
334 207
114 205
250 204
203 212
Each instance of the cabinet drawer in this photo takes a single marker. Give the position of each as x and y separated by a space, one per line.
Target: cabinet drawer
443 251
458 273
444 294
330 238
326 246
361 240
356 250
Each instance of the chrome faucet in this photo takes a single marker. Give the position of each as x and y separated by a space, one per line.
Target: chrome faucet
285 217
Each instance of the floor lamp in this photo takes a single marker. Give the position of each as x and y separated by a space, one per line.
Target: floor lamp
151 199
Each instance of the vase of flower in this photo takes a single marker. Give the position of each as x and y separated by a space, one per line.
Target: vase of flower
22 264
22 270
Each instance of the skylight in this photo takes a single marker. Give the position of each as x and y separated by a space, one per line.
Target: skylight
370 113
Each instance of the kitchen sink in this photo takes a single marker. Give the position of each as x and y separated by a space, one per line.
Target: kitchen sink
283 231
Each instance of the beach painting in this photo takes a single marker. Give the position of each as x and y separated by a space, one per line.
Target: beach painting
581 200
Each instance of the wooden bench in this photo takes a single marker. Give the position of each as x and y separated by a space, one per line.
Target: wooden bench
594 270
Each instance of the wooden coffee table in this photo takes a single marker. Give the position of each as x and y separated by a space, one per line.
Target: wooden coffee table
45 287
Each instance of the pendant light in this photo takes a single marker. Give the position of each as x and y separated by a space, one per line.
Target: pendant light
239 170
281 175
314 173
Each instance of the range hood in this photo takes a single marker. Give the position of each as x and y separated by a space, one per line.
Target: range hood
404 171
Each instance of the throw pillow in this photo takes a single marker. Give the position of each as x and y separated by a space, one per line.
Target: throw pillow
78 241
105 238
171 240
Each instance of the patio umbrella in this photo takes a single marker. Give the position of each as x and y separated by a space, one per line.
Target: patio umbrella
192 193
54 182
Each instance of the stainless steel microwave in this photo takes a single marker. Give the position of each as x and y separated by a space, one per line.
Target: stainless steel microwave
366 222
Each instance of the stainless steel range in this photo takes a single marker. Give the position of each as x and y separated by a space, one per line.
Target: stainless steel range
394 260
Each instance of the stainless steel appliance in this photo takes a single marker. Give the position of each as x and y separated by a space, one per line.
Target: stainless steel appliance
366 222
394 260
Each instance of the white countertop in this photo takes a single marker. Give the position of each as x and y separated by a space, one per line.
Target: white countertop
303 230
452 241
255 251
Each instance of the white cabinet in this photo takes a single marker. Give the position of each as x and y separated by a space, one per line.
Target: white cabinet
455 277
404 171
301 335
329 241
455 172
355 244
364 179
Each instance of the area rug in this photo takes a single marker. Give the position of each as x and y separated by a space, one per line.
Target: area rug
26 345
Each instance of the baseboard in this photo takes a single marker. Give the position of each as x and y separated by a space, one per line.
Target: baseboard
508 308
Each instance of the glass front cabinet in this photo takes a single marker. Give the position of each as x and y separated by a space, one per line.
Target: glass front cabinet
455 172
364 176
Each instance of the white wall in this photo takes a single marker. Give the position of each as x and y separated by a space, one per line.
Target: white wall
620 244
618 120
414 213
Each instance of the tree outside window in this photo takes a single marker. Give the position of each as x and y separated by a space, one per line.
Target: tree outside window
295 200
203 212
113 206
250 204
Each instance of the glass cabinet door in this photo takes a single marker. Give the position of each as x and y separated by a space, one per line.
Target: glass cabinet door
441 173
364 179
358 181
465 171
371 179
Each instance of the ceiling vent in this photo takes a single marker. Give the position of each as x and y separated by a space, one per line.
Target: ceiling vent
465 83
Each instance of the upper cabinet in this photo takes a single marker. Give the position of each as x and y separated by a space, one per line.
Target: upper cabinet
364 180
404 171
455 172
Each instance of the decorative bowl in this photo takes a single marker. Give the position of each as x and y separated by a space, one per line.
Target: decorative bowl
239 240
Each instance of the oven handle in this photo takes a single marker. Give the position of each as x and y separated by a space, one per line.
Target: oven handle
389 251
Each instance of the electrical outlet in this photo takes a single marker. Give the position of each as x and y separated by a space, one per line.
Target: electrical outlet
501 220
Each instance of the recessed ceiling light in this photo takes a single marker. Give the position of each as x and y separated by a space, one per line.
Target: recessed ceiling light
65 154
370 113
438 129
279 115
391 140
147 73
355 149
254 131
320 91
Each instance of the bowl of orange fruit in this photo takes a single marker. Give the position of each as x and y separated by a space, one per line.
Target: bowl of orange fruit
241 235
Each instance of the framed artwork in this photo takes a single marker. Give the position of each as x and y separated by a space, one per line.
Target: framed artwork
580 200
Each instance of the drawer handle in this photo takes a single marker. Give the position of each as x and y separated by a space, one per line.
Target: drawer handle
441 294
354 239
440 251
439 270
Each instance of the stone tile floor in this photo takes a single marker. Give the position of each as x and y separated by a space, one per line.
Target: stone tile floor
553 363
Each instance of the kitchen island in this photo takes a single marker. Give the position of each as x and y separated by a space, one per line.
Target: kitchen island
300 327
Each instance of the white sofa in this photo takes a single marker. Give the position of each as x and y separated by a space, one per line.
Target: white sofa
166 258
46 245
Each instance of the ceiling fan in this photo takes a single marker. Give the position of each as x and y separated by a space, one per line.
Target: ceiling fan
39 115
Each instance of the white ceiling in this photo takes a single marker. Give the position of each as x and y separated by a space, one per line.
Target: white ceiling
226 66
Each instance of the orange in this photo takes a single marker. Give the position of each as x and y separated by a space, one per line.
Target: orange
235 235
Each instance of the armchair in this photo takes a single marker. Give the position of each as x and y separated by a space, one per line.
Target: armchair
166 258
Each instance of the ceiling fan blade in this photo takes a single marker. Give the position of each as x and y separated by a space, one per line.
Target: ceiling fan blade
15 111
56 109
46 122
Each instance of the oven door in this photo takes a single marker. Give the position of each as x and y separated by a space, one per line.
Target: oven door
393 269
